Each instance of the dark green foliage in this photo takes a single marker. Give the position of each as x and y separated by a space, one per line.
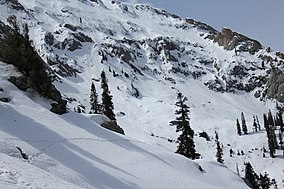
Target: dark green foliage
107 98
254 125
95 106
219 153
239 131
17 49
257 122
270 119
204 135
186 146
265 182
251 177
244 125
272 141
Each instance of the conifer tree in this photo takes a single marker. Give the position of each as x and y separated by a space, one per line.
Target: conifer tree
251 177
239 128
265 122
186 146
272 141
107 98
244 125
265 182
219 153
270 119
257 121
95 106
255 126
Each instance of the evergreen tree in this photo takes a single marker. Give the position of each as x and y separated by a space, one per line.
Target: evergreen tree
255 126
95 106
107 98
265 122
219 153
265 182
270 119
244 125
272 141
186 146
257 121
17 49
251 177
239 128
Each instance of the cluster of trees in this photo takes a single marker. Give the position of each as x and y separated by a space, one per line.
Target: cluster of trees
258 181
16 48
272 125
106 107
243 129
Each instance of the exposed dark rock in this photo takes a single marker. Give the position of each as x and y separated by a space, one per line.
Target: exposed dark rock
275 85
82 37
49 38
64 69
59 107
202 26
71 27
5 99
280 55
112 125
14 4
230 40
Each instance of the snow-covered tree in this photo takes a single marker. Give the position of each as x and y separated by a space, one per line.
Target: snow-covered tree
186 146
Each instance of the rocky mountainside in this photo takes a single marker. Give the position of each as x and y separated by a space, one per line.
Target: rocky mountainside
149 55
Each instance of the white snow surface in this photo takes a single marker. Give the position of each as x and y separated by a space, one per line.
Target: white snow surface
73 151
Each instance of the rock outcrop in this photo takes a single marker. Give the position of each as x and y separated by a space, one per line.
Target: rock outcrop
230 40
112 125
275 85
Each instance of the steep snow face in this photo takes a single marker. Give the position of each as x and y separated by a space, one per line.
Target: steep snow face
157 54
73 151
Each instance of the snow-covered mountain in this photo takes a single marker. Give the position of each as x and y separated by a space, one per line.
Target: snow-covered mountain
148 55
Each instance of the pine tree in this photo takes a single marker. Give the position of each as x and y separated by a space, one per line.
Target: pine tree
95 106
239 128
255 126
272 141
257 121
265 122
244 125
251 177
270 119
219 153
107 98
186 146
265 182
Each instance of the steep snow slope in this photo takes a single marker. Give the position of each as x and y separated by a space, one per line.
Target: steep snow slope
73 151
161 54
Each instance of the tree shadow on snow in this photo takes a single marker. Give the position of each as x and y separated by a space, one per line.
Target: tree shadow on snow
30 131
117 139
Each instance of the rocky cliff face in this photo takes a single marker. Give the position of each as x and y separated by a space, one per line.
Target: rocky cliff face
231 40
166 45
275 85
